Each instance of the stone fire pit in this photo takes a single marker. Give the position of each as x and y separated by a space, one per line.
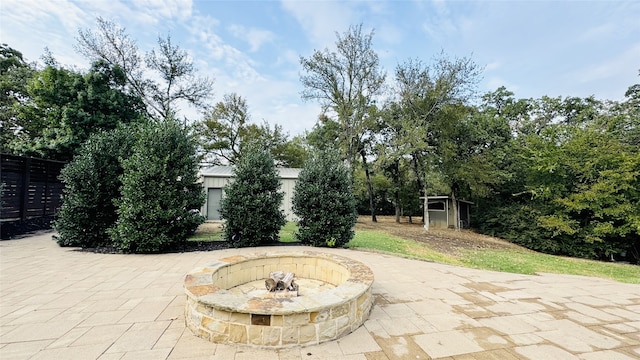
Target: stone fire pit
227 301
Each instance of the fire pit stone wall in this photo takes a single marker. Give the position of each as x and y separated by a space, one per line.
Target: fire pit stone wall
214 313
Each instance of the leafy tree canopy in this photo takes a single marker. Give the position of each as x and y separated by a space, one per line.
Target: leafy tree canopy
62 108
227 133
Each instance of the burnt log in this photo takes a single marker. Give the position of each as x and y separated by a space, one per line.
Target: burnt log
286 282
270 284
279 280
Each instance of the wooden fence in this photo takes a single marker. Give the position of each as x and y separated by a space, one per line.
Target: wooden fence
30 188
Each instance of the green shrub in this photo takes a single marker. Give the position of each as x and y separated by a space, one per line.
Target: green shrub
251 205
324 202
91 183
160 202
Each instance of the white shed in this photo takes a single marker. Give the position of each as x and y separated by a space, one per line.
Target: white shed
441 212
215 178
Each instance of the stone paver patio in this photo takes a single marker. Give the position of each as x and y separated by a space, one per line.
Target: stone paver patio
58 303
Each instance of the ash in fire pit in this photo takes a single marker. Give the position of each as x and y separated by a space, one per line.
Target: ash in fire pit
281 282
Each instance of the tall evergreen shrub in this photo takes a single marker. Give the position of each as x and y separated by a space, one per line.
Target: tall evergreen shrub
251 205
324 202
160 202
91 184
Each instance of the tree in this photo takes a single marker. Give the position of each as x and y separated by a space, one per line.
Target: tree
571 177
469 147
423 93
226 133
292 153
589 181
42 119
324 202
285 152
392 155
324 135
251 205
15 73
111 44
223 129
161 199
92 183
64 107
346 83
627 117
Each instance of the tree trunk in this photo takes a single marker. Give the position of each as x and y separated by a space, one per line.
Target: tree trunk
426 210
414 163
397 202
456 213
396 192
369 187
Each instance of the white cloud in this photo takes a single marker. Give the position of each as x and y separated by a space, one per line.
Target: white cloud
295 117
157 10
389 34
611 77
598 32
321 19
36 14
612 67
54 24
57 22
289 57
492 66
439 24
494 82
131 13
276 101
254 37
273 100
228 60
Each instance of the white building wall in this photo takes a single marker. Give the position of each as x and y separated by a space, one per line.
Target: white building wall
219 181
287 186
215 182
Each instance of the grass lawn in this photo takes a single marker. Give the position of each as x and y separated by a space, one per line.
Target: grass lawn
530 262
287 232
208 232
514 260
383 242
214 232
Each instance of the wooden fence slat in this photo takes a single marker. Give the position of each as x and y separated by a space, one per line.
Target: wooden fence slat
31 187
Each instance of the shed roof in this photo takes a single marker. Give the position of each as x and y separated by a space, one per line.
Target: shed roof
445 197
227 171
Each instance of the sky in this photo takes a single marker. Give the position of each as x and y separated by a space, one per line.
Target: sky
253 48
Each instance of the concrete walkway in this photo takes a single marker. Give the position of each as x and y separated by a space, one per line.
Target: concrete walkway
57 303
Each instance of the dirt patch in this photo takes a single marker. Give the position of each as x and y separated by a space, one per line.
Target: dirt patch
446 241
209 227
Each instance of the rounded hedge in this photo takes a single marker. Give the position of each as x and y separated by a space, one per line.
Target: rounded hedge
91 184
324 202
251 203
